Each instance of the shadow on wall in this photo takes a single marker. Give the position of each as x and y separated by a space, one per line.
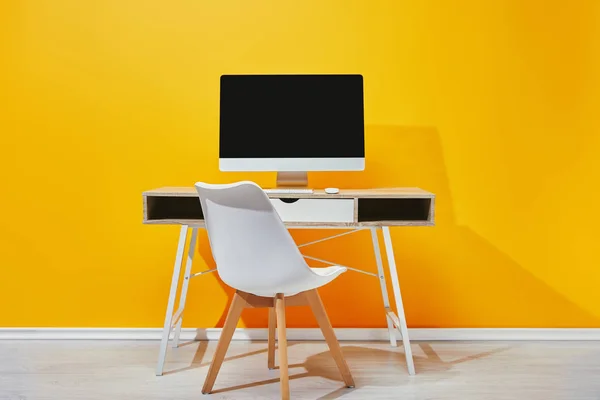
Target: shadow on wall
449 275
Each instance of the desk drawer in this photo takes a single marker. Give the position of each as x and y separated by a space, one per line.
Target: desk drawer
315 210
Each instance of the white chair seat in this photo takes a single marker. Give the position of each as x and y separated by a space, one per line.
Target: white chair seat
253 249
319 277
332 271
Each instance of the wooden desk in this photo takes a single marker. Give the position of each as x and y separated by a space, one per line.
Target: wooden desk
350 209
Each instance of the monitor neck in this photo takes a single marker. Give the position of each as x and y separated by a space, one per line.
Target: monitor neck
292 179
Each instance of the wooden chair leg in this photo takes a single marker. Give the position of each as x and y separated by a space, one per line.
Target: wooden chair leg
233 316
314 300
283 363
272 327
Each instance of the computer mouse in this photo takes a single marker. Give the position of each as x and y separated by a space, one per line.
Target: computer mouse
332 190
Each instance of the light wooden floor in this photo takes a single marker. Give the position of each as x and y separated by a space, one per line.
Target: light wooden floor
449 370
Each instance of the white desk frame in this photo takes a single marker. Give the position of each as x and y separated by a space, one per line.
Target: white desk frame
173 321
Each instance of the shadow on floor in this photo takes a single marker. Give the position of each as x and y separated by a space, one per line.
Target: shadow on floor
366 364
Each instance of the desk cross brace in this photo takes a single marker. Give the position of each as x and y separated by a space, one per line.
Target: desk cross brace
329 262
395 322
345 266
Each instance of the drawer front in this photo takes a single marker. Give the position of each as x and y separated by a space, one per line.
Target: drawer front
315 210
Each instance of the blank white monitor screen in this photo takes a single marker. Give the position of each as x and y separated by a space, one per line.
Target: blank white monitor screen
291 117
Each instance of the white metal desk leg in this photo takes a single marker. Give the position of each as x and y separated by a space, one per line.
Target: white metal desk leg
384 292
184 286
396 286
171 303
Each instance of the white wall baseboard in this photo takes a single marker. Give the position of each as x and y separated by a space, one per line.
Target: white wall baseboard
345 334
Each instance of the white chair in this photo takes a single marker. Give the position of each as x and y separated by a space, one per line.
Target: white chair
256 255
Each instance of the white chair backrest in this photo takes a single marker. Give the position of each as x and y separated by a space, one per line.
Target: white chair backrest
252 248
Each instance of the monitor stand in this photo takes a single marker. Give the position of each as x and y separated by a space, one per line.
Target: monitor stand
292 179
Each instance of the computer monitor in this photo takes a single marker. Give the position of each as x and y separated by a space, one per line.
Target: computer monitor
291 124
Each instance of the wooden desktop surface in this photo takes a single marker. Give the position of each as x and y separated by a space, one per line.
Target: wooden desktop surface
377 193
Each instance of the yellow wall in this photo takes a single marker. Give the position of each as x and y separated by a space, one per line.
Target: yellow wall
492 105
